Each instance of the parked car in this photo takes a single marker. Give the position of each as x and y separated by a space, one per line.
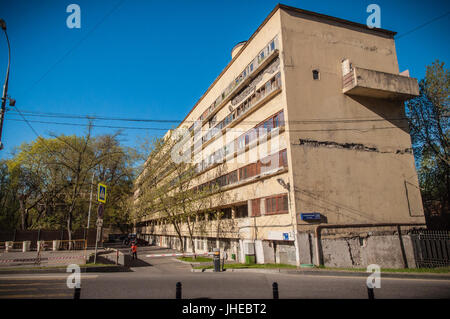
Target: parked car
133 238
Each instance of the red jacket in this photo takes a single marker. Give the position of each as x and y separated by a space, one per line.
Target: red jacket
134 248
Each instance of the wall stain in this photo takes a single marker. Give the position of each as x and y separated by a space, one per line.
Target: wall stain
348 146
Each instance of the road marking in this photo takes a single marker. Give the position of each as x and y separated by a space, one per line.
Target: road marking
34 289
27 284
43 277
364 278
34 296
176 255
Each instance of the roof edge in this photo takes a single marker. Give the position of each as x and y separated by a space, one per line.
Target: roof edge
298 10
335 19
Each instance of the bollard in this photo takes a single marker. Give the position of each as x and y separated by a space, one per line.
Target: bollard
275 290
26 246
216 259
56 244
77 293
178 290
8 246
370 293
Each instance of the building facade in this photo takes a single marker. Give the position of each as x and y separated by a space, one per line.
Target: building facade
306 135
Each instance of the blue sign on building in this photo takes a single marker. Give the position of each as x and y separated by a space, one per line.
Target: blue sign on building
285 236
310 216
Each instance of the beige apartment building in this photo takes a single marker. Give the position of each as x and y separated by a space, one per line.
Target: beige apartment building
305 132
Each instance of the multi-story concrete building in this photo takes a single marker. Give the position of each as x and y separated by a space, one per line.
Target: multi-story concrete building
309 118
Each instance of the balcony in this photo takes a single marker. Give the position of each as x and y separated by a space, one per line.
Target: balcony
376 84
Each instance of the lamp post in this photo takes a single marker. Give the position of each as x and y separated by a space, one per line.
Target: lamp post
89 213
5 86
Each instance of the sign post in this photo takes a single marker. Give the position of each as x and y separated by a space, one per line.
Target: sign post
101 197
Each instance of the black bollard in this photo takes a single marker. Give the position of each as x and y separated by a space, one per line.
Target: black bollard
370 293
77 293
275 290
216 260
178 291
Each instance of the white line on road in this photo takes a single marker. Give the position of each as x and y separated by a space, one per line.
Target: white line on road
364 278
45 277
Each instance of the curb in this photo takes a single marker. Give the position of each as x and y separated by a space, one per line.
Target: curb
333 273
105 269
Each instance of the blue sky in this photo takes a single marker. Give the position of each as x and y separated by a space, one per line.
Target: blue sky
154 59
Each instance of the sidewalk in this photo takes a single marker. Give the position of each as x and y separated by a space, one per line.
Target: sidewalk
47 258
335 273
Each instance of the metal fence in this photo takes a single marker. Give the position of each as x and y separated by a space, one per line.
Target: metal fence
47 235
431 248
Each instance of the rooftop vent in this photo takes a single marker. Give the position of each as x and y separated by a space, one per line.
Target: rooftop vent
237 48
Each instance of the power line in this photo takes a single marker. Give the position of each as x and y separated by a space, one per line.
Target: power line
94 117
93 125
77 44
243 130
422 25
109 118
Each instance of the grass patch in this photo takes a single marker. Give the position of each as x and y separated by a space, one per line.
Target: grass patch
198 259
245 266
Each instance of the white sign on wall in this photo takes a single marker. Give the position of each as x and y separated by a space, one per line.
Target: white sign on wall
280 235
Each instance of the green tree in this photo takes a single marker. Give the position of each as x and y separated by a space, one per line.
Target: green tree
50 180
429 122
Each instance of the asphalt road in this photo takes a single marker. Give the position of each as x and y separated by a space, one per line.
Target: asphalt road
157 277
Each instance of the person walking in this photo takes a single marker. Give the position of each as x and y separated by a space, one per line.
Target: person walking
134 250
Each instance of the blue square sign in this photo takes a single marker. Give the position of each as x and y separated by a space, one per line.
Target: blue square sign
285 236
310 216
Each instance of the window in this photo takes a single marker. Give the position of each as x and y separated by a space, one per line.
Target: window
268 163
243 173
277 205
226 213
250 136
268 125
315 74
248 171
233 177
241 211
272 45
241 142
256 207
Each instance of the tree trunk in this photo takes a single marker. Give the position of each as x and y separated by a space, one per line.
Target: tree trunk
23 214
69 230
191 235
180 237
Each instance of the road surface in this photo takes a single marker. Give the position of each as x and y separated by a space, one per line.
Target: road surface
157 277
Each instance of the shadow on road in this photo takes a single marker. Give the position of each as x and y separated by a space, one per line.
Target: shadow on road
138 263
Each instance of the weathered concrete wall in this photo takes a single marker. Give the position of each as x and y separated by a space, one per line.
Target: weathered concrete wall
349 157
354 251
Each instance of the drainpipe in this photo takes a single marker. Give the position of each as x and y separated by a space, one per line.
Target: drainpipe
320 227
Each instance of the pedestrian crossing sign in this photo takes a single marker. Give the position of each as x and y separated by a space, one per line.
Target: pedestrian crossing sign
102 193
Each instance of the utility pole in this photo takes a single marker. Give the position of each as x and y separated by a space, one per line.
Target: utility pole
90 201
90 205
5 86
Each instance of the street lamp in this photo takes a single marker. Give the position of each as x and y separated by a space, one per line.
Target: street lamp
282 183
5 86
